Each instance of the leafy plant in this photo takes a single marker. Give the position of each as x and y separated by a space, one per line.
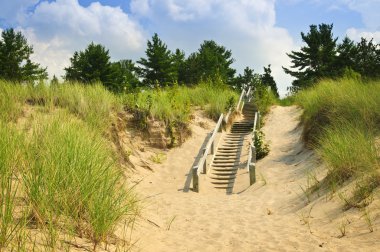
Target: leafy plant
262 148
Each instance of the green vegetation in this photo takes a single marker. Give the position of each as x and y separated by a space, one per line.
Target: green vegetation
322 57
57 172
262 148
342 121
15 63
174 104
91 103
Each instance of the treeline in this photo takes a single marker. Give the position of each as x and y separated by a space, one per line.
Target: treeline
160 66
323 57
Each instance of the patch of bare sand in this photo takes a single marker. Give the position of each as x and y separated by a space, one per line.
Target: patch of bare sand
272 215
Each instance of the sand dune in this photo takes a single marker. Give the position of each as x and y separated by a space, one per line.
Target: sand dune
272 215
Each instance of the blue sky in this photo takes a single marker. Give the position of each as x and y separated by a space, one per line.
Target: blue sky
259 32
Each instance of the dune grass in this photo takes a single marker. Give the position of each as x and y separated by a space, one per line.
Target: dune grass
61 165
10 146
71 173
342 122
58 172
175 104
91 103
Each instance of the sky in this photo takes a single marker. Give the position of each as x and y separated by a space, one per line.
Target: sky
258 32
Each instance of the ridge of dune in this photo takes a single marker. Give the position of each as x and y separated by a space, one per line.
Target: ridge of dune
271 215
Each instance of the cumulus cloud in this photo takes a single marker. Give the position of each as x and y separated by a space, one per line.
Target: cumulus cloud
369 10
357 34
57 29
246 27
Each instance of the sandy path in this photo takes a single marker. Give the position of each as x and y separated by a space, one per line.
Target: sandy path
265 217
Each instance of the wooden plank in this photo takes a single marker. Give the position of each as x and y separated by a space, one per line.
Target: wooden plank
202 162
240 99
195 180
252 165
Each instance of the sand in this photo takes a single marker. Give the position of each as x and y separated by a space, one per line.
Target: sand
271 215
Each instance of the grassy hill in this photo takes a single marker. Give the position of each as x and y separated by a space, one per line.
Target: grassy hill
342 122
59 172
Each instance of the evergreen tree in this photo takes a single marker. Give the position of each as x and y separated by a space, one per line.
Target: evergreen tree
179 65
249 78
15 63
367 58
92 65
268 80
126 77
212 61
158 67
315 60
54 81
346 55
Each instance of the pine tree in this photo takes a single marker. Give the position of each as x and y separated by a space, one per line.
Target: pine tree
15 63
249 78
126 78
92 65
316 60
179 65
268 80
212 61
367 58
158 67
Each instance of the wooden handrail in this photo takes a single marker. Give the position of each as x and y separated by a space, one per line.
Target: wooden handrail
251 162
210 146
240 100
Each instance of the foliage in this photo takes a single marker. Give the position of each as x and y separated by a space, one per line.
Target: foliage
179 65
15 63
125 76
263 98
90 66
322 58
268 80
249 78
211 61
262 148
158 68
316 59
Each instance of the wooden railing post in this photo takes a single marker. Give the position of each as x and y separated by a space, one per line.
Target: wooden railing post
258 120
252 166
195 179
204 168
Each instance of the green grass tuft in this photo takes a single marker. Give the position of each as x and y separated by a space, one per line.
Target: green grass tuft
342 122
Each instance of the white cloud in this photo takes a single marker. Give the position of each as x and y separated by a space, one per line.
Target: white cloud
140 7
357 34
59 28
369 10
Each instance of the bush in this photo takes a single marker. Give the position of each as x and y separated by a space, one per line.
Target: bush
262 149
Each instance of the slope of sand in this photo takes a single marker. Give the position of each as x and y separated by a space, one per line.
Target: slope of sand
272 215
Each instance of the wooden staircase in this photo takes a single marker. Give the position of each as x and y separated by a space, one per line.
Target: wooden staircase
226 162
